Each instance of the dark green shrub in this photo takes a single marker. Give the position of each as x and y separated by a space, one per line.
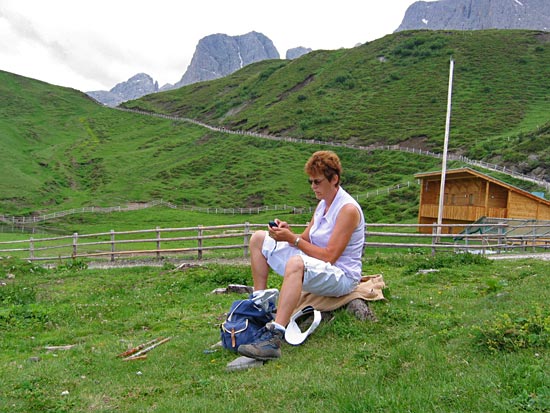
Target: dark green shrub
73 266
17 316
16 267
508 333
13 294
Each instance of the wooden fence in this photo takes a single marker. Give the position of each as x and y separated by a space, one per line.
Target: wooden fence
17 222
231 241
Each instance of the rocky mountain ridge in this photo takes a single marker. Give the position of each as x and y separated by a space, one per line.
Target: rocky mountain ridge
215 56
296 52
219 55
137 86
477 15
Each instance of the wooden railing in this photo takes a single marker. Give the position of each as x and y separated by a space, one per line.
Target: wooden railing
475 238
231 241
14 221
153 243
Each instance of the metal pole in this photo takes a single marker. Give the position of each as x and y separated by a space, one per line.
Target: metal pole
445 148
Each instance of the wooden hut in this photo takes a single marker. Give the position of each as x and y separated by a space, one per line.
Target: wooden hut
471 195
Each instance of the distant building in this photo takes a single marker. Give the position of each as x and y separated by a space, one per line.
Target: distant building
471 195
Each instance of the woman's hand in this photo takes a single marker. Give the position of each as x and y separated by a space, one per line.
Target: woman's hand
281 224
281 232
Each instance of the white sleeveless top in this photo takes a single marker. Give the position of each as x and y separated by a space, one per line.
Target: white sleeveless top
323 226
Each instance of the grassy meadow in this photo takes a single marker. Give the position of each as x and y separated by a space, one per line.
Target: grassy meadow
455 333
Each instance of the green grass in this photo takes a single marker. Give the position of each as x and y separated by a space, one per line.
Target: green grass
473 336
61 150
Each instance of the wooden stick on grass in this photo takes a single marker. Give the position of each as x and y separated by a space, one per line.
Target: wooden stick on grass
54 348
147 349
137 348
142 357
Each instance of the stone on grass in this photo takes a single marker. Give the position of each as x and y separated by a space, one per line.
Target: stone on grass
360 309
243 363
234 288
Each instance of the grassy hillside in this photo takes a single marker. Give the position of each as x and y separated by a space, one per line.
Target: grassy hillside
65 151
393 90
471 337
62 150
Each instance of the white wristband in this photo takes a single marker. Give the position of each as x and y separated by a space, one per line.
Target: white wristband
297 241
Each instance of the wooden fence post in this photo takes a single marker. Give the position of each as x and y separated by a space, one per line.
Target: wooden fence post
199 242
366 230
158 243
31 248
246 239
112 245
434 239
500 239
534 238
75 243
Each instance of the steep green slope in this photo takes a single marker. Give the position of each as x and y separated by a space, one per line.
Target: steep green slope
37 121
392 90
62 150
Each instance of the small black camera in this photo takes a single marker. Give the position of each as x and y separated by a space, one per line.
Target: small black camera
273 224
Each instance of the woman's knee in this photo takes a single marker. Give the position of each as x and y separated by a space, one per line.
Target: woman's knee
257 239
295 265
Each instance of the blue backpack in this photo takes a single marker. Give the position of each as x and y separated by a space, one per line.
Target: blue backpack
244 320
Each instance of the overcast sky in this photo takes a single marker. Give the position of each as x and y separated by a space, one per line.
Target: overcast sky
95 44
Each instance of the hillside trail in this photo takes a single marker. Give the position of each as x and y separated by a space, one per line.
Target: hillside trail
399 147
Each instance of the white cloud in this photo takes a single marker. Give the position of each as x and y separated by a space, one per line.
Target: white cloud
91 45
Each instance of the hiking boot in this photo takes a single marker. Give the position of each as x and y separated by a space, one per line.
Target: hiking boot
266 347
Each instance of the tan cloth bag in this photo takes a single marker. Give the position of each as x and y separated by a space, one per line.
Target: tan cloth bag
370 289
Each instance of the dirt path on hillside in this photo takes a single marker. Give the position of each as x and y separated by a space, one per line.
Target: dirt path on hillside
183 264
545 256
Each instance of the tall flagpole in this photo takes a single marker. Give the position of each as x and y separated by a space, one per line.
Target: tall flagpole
445 148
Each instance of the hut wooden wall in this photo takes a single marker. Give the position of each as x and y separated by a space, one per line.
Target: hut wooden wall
522 207
469 196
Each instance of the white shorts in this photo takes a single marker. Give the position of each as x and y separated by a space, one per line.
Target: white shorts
320 277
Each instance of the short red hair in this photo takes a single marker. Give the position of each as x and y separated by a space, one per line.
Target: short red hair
326 163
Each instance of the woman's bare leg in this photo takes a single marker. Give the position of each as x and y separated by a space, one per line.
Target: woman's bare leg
291 290
258 263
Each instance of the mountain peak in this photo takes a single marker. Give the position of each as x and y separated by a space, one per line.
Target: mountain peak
477 15
135 87
218 55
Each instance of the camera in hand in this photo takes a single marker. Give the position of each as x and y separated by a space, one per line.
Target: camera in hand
273 224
